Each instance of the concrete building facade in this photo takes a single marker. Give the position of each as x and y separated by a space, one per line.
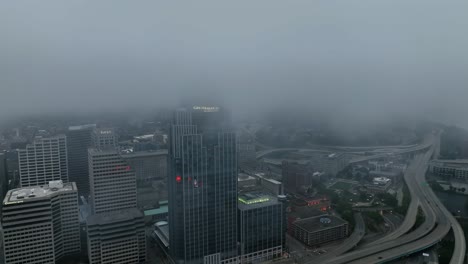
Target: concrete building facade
104 137
450 169
319 230
148 165
41 223
117 237
112 181
43 160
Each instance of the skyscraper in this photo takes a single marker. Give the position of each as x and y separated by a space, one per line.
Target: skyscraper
104 137
116 231
44 160
112 181
202 187
78 142
40 223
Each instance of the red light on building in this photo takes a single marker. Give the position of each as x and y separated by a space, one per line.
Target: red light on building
178 178
127 168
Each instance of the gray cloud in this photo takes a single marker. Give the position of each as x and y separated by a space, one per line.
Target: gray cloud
361 58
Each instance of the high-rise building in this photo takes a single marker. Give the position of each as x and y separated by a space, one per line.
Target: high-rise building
78 142
117 237
104 137
40 223
116 232
43 160
148 165
261 227
150 169
202 187
112 181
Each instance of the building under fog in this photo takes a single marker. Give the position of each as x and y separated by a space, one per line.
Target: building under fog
44 160
41 223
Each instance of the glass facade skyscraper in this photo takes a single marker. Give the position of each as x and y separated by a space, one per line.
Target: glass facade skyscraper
202 187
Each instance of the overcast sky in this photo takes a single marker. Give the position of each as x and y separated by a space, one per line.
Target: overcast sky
357 58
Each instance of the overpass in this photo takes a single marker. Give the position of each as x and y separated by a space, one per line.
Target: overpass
394 151
437 224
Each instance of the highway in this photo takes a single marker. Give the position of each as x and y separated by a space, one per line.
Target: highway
412 212
393 151
437 224
424 229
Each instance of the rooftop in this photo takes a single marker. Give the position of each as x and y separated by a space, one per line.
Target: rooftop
34 192
164 209
244 177
80 127
304 212
318 223
255 199
150 153
385 173
115 216
460 163
161 230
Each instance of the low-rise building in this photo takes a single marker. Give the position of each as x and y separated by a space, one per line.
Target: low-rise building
271 185
320 229
450 169
245 180
395 176
381 181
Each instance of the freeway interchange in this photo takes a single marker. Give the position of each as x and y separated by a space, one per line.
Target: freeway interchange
403 242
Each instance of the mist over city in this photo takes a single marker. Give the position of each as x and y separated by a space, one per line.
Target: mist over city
221 132
358 59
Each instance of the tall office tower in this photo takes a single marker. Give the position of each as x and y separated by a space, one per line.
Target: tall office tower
116 232
261 227
78 142
104 138
112 181
117 237
202 187
42 161
40 223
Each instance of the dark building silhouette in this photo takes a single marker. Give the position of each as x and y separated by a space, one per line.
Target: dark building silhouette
78 140
261 227
296 177
202 187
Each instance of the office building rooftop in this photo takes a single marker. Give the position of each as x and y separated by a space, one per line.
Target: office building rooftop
80 127
318 223
114 216
256 199
34 192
